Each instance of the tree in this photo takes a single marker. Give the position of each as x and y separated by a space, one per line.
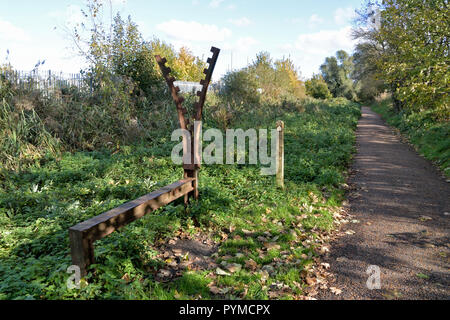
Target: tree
412 38
240 87
368 86
287 77
117 50
317 88
336 73
188 67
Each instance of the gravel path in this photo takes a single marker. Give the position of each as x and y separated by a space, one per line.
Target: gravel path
402 204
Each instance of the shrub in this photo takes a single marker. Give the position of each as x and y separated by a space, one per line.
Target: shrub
317 88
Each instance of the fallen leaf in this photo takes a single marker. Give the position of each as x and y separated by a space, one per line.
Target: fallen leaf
221 272
244 294
325 265
335 290
311 281
264 275
163 273
234 267
271 245
214 290
126 277
324 249
251 265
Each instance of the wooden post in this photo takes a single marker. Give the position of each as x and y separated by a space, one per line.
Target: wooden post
83 235
280 154
191 170
82 250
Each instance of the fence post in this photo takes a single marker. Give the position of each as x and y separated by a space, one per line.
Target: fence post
191 170
82 251
280 154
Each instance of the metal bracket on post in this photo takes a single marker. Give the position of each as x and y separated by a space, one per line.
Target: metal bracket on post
191 169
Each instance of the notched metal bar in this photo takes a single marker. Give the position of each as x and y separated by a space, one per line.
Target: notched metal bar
205 83
173 90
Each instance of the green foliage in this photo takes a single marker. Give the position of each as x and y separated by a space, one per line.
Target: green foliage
240 88
132 58
263 81
431 138
39 204
368 86
184 65
317 88
336 73
411 52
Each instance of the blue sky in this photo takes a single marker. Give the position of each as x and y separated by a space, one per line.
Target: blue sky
305 30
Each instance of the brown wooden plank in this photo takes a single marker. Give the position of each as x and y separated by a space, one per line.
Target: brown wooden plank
82 250
102 225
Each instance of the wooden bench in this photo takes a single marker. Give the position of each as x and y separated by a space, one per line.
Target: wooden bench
83 235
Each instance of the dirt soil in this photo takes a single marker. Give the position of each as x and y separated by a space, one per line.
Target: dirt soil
402 204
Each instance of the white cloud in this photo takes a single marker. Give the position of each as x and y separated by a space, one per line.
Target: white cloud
242 22
312 22
325 41
295 20
315 20
115 2
244 43
310 50
9 32
344 15
193 31
215 3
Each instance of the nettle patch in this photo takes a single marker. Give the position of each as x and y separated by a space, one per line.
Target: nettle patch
244 238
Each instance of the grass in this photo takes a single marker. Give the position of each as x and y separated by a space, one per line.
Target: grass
40 203
430 137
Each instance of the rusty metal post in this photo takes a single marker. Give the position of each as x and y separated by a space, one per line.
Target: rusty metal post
191 170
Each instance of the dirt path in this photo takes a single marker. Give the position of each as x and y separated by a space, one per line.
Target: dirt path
401 202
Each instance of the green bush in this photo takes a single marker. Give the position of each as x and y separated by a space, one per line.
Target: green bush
317 88
430 135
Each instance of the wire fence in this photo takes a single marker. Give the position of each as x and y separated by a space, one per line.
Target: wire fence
46 81
49 81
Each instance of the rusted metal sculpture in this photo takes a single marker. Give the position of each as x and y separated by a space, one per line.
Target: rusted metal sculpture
83 235
192 167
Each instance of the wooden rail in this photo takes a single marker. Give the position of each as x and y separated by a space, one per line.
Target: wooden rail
83 235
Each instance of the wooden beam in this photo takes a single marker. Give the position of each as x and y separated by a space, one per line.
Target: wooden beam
280 154
83 235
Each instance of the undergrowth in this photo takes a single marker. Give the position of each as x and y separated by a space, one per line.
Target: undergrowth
42 200
430 136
